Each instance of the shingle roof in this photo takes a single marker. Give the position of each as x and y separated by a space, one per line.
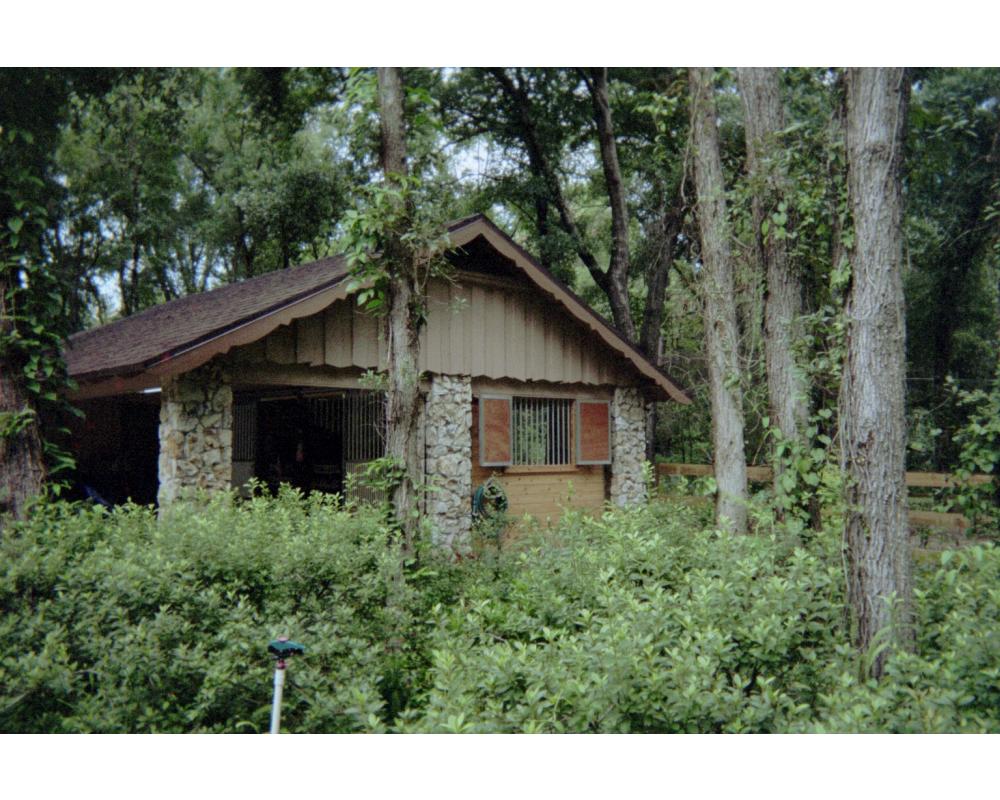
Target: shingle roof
131 344
207 323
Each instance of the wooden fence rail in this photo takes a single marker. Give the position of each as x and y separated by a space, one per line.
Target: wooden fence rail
925 480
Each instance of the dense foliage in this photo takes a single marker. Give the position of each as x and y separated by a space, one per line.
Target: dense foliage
636 621
162 182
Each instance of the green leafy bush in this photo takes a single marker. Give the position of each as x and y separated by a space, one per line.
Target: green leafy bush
120 622
979 443
640 622
636 621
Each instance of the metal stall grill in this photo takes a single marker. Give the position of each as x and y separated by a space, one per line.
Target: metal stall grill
364 441
541 431
245 431
343 432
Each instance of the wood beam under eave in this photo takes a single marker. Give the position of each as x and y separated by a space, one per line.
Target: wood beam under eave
111 387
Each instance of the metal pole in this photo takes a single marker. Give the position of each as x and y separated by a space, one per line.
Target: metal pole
279 685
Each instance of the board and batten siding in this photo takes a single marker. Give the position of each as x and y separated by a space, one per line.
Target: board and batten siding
477 329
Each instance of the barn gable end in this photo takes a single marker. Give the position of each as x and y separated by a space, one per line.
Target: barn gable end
485 329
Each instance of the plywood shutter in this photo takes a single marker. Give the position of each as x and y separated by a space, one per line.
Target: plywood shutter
495 431
593 432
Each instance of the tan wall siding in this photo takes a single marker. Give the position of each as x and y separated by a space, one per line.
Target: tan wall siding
541 493
486 331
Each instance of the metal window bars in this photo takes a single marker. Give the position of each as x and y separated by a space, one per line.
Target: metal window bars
542 431
244 431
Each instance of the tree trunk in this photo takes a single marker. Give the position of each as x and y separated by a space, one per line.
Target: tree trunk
613 284
787 390
718 294
22 464
658 278
618 267
872 422
403 319
657 281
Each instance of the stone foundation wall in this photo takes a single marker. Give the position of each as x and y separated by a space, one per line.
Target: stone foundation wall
628 447
448 449
196 433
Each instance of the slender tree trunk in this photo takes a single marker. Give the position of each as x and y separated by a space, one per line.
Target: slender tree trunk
613 283
872 421
719 309
618 268
542 224
657 281
835 174
22 464
787 389
243 255
402 324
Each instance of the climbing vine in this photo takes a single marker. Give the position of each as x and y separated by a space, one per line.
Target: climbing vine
31 336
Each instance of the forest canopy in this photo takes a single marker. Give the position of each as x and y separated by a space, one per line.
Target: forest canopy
148 184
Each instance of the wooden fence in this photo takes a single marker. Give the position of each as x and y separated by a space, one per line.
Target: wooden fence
924 480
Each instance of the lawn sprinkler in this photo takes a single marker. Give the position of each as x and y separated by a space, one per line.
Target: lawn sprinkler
282 649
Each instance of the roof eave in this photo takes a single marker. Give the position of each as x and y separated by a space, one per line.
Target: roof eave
198 352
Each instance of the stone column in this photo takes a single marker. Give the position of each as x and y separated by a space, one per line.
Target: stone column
196 433
628 447
449 460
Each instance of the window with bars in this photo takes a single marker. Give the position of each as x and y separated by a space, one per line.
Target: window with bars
541 431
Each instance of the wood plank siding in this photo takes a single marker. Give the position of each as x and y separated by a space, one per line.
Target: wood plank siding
486 329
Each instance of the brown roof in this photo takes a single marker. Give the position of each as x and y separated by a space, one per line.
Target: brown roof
134 343
186 332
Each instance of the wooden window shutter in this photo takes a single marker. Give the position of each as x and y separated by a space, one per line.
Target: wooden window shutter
593 432
495 421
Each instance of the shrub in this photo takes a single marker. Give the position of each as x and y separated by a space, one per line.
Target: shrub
121 622
639 622
635 621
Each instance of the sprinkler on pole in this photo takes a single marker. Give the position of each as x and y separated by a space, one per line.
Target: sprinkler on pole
282 649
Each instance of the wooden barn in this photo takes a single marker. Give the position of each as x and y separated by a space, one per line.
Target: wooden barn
266 378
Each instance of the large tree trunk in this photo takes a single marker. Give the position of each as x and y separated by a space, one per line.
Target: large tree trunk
403 319
719 309
787 390
872 422
22 463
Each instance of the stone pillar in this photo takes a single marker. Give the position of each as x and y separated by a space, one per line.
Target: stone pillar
449 460
196 433
628 447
